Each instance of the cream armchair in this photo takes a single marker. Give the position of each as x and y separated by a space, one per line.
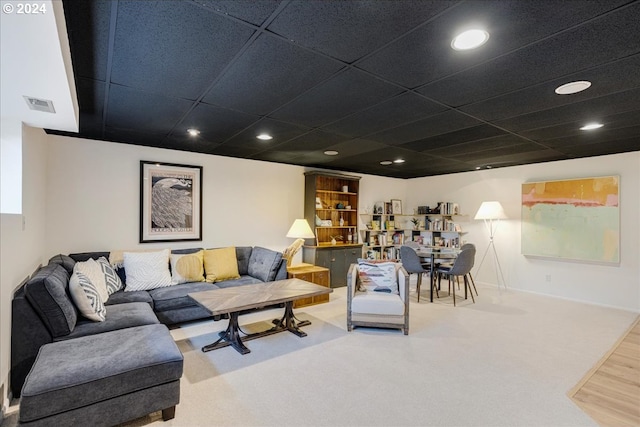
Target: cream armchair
377 309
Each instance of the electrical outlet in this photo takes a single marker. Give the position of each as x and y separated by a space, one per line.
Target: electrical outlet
547 278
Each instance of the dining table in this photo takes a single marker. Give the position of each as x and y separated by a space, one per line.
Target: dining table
436 252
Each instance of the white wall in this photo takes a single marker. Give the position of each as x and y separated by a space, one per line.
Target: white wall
93 197
610 285
22 249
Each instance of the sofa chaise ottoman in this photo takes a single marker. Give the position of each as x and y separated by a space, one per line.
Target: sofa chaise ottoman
103 379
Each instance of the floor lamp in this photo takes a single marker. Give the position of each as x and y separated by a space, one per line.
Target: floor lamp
492 213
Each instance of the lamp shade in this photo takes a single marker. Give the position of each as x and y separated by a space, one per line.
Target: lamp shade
490 210
300 230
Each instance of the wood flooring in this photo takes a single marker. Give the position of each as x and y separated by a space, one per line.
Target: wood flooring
610 392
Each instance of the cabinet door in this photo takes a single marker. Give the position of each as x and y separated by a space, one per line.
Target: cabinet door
338 268
324 258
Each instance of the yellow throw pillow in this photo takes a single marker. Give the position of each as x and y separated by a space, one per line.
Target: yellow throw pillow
221 264
187 267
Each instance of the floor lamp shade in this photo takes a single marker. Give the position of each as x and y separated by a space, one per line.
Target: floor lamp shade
490 210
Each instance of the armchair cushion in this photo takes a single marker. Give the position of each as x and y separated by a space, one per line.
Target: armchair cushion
378 276
377 303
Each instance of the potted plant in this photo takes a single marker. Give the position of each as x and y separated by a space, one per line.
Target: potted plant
416 223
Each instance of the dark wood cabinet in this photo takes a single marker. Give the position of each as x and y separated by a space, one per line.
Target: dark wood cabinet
331 208
336 259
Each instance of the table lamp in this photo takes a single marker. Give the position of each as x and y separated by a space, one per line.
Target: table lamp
492 212
299 230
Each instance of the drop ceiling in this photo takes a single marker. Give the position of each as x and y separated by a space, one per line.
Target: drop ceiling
373 80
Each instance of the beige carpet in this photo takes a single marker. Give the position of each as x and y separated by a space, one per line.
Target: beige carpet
508 360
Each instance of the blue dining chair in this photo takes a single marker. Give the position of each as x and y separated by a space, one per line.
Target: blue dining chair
411 263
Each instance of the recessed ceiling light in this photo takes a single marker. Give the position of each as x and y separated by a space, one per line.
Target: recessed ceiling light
591 126
489 167
573 87
386 162
331 153
264 136
398 161
470 39
478 167
193 132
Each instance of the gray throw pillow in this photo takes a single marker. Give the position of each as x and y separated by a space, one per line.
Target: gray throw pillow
264 263
47 291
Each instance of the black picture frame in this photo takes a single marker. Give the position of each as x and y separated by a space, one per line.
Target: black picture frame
170 202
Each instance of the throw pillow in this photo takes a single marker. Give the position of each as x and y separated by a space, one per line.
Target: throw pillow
264 264
187 267
147 270
221 264
379 277
93 271
86 297
111 278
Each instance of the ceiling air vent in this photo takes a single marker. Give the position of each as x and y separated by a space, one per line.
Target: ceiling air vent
38 104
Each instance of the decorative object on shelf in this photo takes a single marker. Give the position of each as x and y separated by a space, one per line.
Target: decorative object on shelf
299 230
170 202
341 221
387 208
318 203
345 188
333 241
492 212
396 206
416 223
339 206
349 237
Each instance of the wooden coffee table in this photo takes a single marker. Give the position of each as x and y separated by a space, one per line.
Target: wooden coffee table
234 300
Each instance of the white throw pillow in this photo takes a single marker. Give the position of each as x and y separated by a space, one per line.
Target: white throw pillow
86 297
93 271
111 278
147 270
378 277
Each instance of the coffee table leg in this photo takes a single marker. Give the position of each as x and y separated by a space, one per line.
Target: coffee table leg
289 323
231 336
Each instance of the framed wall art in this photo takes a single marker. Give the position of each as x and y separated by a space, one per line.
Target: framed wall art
396 207
576 219
170 202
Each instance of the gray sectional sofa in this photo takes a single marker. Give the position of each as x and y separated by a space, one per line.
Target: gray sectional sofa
93 370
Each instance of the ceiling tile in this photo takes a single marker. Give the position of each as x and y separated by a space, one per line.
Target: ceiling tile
426 54
183 59
214 123
88 31
345 93
350 30
131 109
438 124
261 69
254 12
605 80
405 108
280 131
455 137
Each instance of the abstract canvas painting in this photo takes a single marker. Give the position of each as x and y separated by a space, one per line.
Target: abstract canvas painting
577 219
